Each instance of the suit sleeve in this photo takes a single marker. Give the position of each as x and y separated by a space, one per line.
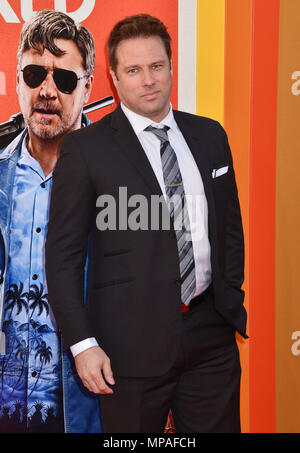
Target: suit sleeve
234 237
71 208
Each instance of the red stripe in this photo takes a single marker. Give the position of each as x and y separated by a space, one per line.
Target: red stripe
262 214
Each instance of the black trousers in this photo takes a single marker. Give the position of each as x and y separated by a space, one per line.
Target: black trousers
202 388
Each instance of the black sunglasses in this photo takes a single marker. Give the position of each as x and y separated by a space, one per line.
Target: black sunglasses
65 80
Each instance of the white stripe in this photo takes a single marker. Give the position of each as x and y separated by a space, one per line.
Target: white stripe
187 55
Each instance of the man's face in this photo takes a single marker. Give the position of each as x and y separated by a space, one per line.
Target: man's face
48 112
143 76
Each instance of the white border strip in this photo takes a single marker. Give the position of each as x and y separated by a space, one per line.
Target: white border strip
187 55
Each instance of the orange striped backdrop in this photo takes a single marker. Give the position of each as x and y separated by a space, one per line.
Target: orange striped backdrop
257 100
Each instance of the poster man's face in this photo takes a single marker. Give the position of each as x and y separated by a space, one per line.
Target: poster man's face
48 112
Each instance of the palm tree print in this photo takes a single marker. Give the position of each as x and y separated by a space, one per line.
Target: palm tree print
5 418
44 353
4 362
22 351
40 300
15 297
16 416
37 418
13 339
35 337
50 415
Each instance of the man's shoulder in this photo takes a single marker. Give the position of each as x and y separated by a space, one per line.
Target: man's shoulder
198 124
9 146
196 119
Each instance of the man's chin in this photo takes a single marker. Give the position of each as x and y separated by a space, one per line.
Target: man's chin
50 129
47 130
154 113
46 133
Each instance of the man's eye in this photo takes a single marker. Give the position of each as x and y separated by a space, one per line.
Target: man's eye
157 66
132 71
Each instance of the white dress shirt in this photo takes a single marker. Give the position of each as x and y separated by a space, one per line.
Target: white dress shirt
194 192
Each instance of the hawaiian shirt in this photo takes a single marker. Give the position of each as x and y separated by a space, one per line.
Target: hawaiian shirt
30 373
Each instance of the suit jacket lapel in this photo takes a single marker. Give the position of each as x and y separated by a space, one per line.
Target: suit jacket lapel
199 150
131 147
198 147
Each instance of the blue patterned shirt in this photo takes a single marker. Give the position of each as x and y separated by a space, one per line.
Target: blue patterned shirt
30 374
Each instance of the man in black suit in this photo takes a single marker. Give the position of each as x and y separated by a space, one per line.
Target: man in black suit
164 303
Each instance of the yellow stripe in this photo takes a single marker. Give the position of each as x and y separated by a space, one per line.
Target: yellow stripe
210 58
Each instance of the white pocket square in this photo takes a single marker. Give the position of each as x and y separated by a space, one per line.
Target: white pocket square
219 171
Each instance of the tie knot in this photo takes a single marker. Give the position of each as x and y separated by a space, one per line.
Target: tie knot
161 133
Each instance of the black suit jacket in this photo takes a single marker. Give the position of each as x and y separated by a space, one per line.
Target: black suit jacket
134 303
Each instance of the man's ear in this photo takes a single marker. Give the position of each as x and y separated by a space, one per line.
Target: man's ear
88 88
113 76
17 81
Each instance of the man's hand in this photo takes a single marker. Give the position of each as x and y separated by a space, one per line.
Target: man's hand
93 368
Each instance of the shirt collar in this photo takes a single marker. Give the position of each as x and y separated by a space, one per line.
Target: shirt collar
139 122
25 156
29 161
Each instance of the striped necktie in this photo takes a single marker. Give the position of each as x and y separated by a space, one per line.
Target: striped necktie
178 212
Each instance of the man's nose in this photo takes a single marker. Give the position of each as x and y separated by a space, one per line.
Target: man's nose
48 88
149 78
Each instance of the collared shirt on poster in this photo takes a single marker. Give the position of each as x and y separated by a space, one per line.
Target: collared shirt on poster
31 373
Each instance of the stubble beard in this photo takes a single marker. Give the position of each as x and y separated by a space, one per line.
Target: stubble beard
53 128
45 130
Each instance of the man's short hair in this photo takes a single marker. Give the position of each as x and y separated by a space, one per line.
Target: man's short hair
47 25
140 25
